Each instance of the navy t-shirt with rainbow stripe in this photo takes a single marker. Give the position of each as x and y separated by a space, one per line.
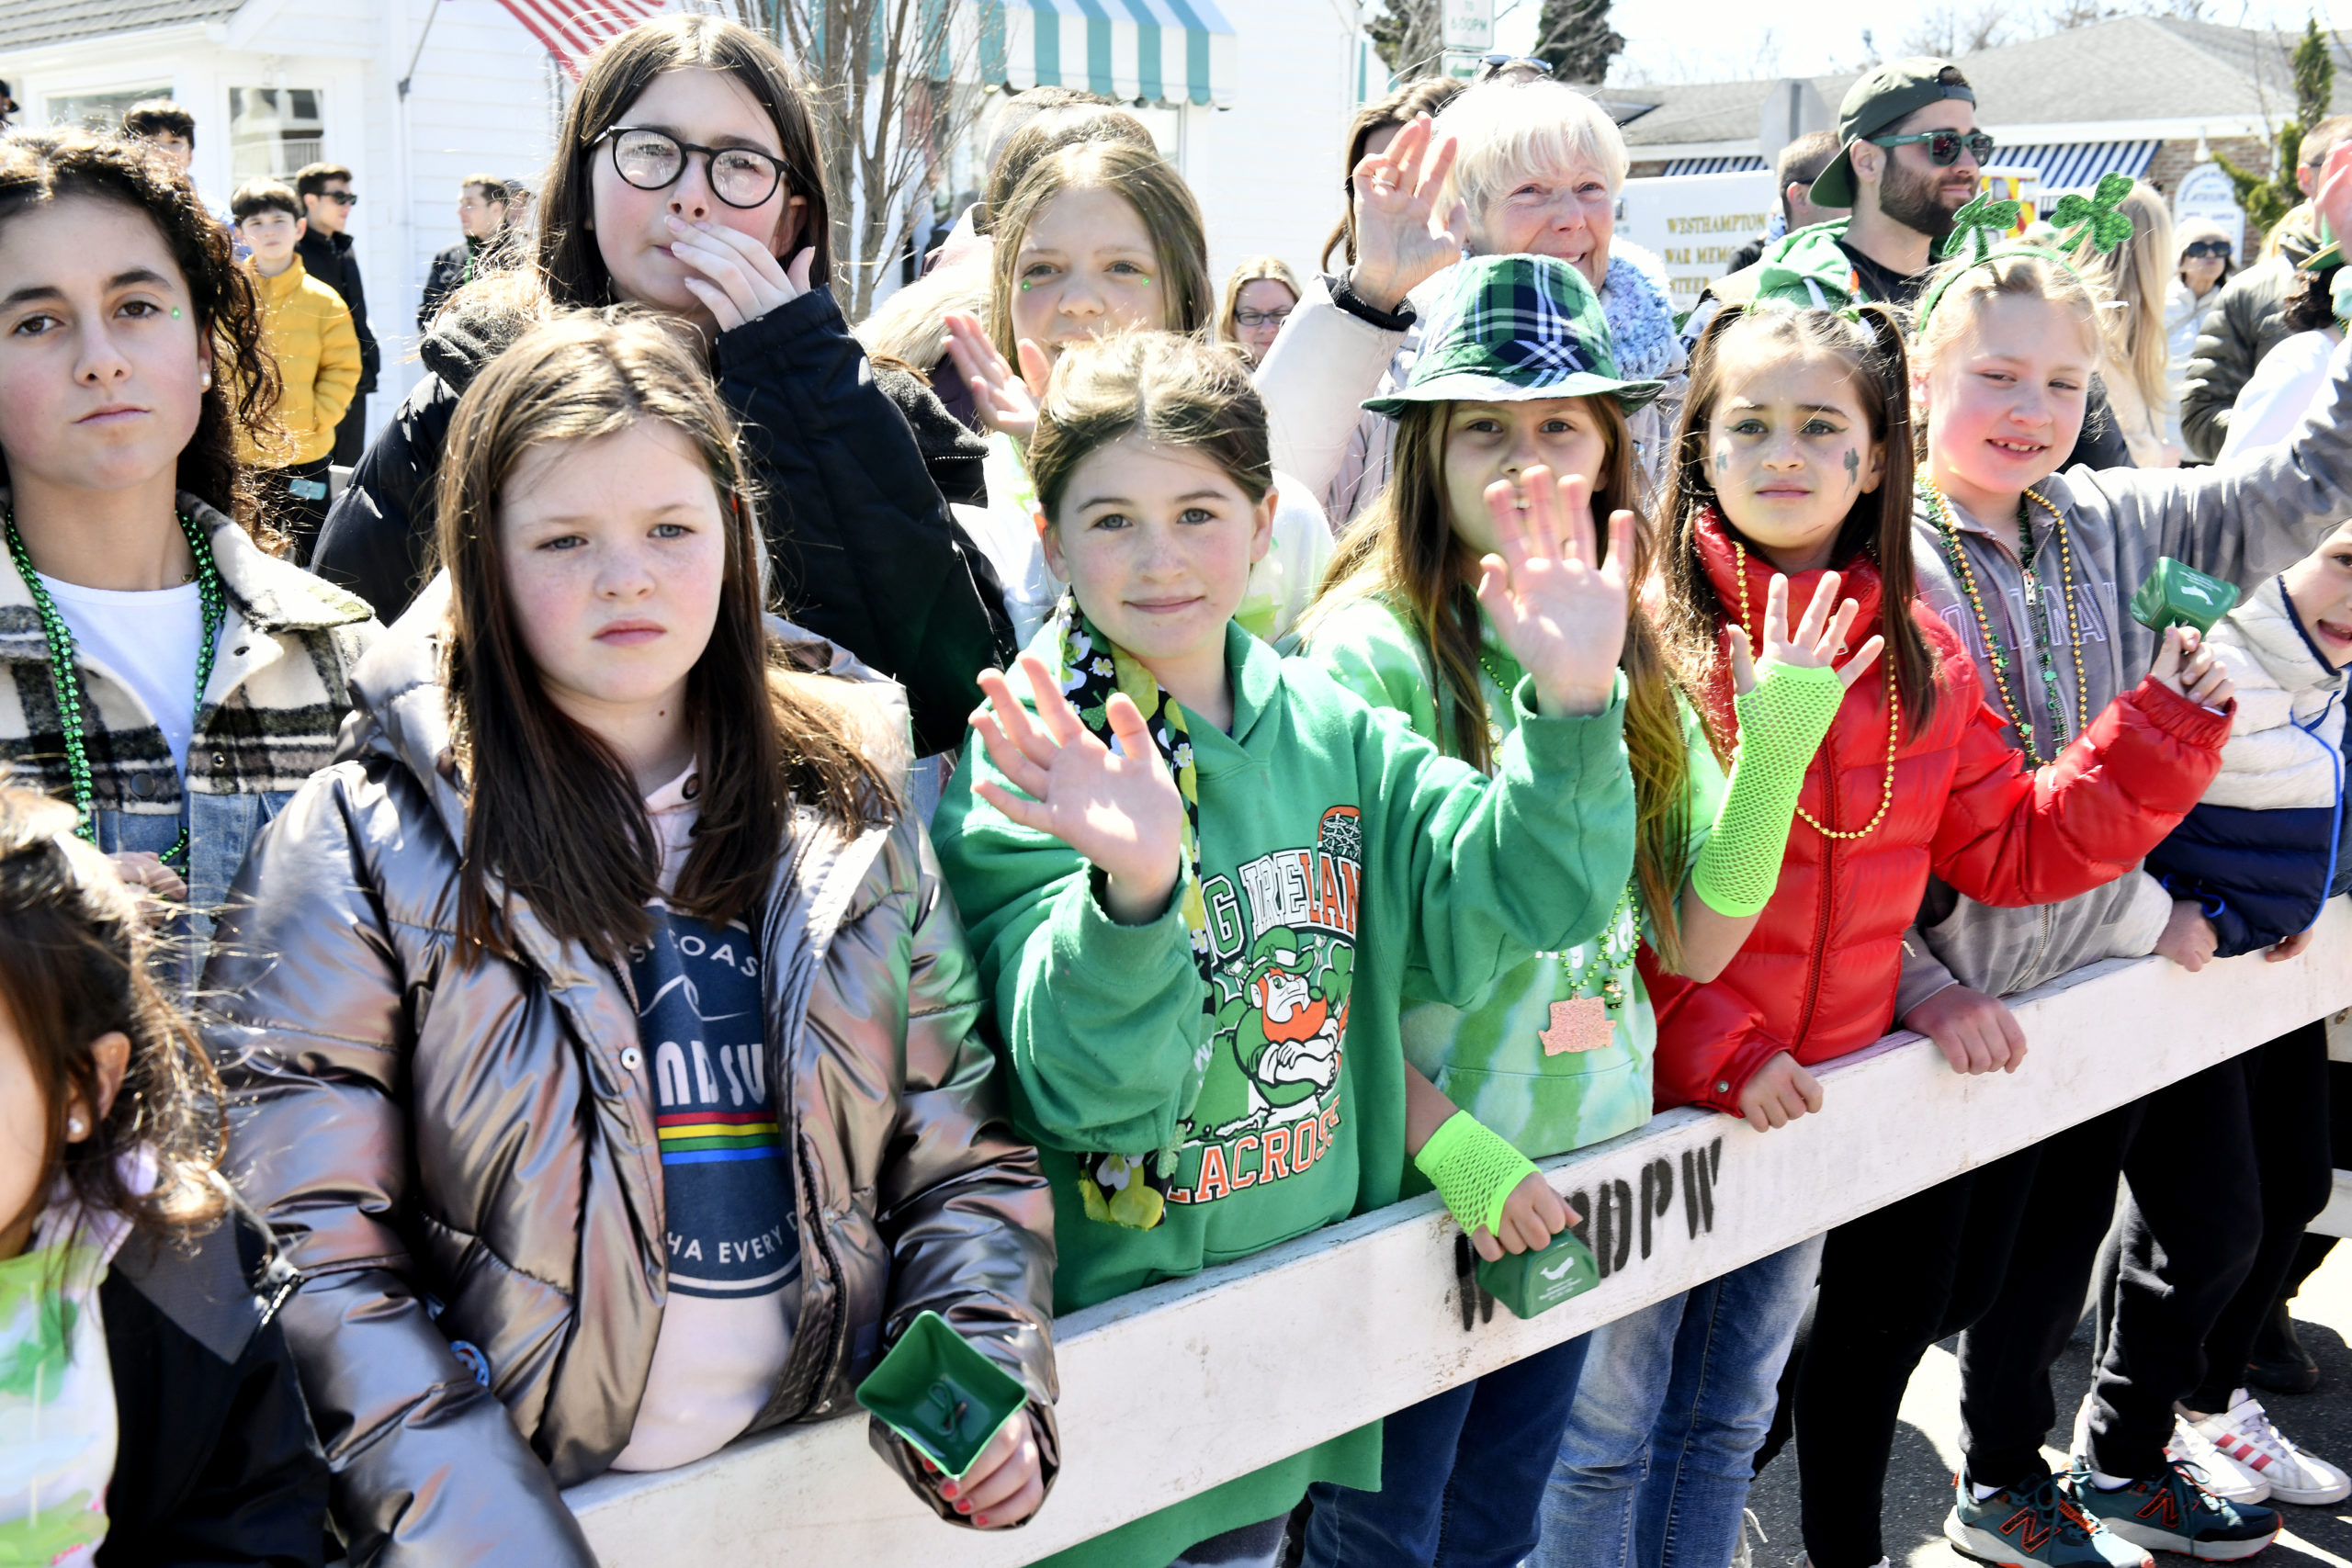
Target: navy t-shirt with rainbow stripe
728 1186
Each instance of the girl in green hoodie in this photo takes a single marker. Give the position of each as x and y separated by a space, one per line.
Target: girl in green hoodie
1197 944
1555 1053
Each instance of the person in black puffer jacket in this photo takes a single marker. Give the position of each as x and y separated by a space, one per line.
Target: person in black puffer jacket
856 463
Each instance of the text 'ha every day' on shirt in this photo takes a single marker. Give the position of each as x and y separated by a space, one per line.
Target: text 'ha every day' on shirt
148 640
728 1191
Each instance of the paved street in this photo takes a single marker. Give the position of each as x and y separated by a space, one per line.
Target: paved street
1927 1446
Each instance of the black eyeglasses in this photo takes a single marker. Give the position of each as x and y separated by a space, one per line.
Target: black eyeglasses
2205 250
653 159
1243 316
1943 146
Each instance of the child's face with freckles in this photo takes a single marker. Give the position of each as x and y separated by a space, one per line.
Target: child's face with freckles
2320 588
1789 450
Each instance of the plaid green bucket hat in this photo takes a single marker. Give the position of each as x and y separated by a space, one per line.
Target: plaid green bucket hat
1513 329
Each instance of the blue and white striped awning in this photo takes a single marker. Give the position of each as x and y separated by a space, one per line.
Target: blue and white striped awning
2075 166
1739 164
1157 50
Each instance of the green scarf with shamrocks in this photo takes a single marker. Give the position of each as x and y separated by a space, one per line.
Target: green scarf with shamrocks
1121 1188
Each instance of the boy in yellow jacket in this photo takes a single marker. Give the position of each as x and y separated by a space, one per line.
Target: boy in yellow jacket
307 329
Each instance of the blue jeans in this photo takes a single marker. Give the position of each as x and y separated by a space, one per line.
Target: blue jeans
1461 1475
1661 1442
221 829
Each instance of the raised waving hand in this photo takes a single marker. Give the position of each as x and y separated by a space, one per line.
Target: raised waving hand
1401 237
1817 640
1119 809
1003 399
1560 611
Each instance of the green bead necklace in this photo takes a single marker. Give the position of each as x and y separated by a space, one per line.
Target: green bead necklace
65 681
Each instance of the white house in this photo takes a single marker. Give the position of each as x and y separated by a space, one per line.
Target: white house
1251 102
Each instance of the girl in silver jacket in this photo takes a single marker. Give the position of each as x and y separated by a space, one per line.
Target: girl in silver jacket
599 1039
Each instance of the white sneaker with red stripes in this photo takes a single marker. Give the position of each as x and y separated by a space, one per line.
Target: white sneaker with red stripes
2223 1476
2243 1434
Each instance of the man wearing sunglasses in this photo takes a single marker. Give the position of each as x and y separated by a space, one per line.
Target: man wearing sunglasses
325 250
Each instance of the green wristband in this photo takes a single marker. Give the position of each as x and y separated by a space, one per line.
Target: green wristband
1780 726
1474 1169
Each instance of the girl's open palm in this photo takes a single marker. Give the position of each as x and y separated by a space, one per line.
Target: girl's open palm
1561 615
1003 399
1817 640
1119 809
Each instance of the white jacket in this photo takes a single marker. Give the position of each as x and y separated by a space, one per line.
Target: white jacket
2287 739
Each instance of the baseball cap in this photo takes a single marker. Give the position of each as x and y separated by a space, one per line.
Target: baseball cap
1898 88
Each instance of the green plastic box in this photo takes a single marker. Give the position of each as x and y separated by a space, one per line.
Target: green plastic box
1532 1282
935 1390
2175 594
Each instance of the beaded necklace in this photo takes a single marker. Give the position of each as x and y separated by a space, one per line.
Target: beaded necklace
1599 974
2037 610
65 681
1893 715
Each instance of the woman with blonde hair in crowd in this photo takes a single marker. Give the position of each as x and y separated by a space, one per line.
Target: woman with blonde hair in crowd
1259 297
2133 277
2204 255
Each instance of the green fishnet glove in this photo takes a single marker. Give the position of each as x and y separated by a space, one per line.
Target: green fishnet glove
1474 1169
1781 723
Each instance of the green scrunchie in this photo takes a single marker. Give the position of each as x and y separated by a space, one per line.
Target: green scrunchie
1474 1169
1781 723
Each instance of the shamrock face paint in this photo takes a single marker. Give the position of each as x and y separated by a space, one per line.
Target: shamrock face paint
1791 440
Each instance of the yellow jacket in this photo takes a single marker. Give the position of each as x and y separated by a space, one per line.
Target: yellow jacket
307 329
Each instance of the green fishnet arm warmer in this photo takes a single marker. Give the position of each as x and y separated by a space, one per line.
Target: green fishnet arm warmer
1780 726
1474 1169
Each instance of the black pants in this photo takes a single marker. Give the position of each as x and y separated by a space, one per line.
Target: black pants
1892 1283
2187 1152
2287 1095
294 499
351 434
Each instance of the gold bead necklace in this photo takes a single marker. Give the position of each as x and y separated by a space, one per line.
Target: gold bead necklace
2037 615
1893 718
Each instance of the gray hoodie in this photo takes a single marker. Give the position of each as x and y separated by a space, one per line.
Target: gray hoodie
2240 522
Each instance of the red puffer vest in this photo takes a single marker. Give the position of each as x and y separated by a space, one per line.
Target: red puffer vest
1817 976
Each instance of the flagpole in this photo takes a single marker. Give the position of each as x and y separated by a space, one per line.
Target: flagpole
432 12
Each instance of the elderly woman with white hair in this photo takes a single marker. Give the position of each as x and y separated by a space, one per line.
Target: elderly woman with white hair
1508 167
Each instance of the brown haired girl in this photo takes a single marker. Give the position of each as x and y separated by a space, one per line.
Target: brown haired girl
1098 237
165 673
687 179
616 862
1794 457
152 1404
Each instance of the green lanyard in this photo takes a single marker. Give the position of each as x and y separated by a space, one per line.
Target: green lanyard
65 681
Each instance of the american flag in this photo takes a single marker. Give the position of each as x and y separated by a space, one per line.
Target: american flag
574 30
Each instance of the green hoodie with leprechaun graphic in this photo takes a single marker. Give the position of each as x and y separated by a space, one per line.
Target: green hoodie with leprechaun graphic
1341 857
1555 1053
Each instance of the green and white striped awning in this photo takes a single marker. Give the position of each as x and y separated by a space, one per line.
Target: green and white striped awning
1159 50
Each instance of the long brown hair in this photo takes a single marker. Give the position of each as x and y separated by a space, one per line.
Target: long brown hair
1400 109
43 167
76 956
1404 552
1877 527
1150 185
614 75
555 817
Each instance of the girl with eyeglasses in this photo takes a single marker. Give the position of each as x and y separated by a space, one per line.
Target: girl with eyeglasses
686 182
1259 297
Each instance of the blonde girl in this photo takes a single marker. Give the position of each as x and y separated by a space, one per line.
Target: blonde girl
1268 290
1097 238
2133 277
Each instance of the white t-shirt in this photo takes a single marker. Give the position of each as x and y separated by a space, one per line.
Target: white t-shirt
728 1191
148 641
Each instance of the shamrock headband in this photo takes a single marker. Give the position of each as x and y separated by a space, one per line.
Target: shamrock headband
1980 230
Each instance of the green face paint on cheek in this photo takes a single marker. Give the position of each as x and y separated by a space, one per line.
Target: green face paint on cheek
1853 466
1723 459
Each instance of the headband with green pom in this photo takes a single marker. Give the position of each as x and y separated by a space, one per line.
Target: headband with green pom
1979 233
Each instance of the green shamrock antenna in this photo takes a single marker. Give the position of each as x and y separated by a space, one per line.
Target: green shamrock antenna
2095 216
1979 226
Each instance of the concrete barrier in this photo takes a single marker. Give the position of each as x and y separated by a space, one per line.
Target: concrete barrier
1174 1389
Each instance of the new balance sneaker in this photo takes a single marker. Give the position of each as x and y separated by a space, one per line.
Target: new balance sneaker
2174 1511
2218 1468
2244 1434
2034 1526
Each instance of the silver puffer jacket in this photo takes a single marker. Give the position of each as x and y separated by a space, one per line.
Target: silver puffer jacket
468 1157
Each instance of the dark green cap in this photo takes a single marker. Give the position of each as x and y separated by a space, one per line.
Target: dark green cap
1898 88
1512 329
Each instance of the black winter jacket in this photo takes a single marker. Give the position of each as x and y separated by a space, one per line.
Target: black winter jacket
451 270
2245 323
328 258
851 463
214 1459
